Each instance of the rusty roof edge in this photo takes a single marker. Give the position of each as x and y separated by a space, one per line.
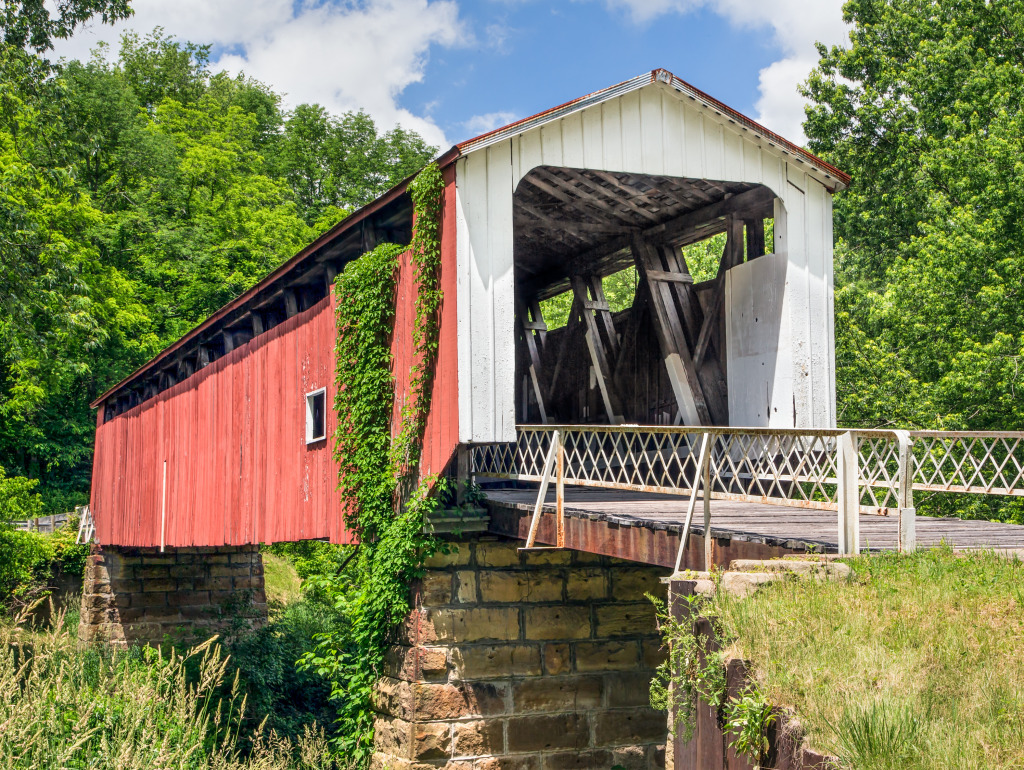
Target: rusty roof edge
654 76
444 160
519 126
681 85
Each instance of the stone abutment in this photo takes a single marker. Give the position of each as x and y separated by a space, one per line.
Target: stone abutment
528 660
144 595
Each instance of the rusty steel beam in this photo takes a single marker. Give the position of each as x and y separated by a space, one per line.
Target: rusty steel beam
654 543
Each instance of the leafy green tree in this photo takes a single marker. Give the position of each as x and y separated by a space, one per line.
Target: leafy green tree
138 194
18 499
924 109
35 23
337 164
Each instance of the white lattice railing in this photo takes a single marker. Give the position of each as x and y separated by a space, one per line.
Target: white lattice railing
869 471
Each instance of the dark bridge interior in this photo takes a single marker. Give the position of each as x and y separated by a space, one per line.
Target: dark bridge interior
662 359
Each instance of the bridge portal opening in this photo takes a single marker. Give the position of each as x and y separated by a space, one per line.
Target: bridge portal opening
621 294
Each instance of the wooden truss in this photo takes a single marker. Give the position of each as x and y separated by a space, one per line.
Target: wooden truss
687 319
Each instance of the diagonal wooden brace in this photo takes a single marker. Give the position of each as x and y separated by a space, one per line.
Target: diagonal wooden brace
553 467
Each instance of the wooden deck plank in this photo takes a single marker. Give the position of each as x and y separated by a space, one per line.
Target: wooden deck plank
759 522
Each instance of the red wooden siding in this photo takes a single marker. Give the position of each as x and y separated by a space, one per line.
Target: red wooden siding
233 438
233 434
441 436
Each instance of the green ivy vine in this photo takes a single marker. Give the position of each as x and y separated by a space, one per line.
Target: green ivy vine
386 503
426 191
695 670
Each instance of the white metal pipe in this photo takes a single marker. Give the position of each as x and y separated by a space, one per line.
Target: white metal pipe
163 510
705 451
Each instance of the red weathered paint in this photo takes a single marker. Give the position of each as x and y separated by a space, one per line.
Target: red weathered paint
441 434
233 438
233 434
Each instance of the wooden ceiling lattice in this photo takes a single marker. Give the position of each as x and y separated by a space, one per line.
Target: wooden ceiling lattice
563 216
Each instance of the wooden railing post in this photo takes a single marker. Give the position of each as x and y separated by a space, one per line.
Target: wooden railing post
560 495
905 496
706 493
702 461
848 495
554 451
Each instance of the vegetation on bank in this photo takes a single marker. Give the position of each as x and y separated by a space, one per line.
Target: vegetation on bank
31 563
62 705
386 502
238 702
915 662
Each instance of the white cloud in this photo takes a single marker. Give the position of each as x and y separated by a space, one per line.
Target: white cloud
796 26
481 124
345 56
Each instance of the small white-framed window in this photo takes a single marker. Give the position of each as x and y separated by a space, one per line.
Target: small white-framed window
316 415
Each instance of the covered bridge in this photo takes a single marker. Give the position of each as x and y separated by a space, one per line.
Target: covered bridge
223 439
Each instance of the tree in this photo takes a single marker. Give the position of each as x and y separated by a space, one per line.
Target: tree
29 23
337 164
924 109
137 196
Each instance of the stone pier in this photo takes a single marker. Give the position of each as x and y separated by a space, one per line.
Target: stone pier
182 594
532 661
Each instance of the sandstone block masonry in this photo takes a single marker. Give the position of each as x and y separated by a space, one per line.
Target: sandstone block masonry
142 595
525 661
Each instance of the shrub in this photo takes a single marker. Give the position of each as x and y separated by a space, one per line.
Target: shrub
18 500
64 706
289 699
312 558
69 557
25 559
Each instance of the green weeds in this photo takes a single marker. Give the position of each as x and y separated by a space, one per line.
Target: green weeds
917 662
65 706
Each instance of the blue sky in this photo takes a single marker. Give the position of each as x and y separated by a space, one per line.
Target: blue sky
546 55
452 69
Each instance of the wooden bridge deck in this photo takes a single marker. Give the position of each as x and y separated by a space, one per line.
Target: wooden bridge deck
646 527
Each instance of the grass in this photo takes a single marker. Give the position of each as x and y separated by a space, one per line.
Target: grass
917 662
281 581
67 706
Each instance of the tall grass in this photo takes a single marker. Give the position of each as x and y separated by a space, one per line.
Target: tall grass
64 706
281 581
917 662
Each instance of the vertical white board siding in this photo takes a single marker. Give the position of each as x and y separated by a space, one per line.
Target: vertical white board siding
753 159
787 354
773 172
572 141
632 132
757 332
819 400
797 293
611 117
735 165
593 138
672 137
516 153
830 306
551 143
693 138
714 149
781 239
652 142
483 182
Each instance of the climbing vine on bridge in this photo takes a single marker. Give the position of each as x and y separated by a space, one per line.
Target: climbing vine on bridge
385 500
